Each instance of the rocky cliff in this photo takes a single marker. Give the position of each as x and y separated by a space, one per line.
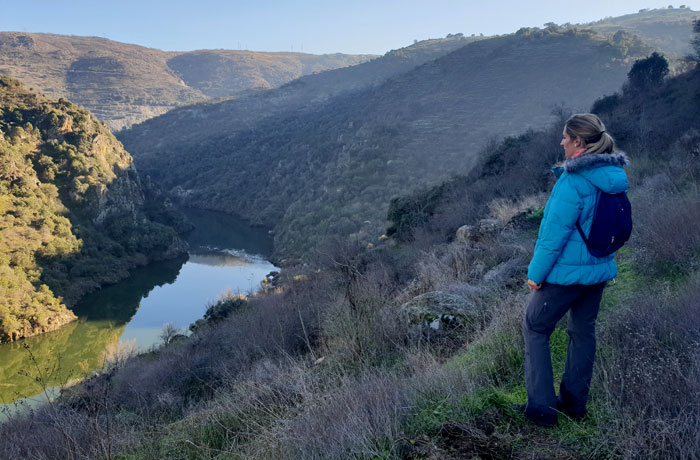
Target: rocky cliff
74 213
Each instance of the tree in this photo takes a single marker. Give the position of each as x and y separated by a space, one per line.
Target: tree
647 73
695 42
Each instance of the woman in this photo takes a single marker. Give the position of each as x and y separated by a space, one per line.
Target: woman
565 276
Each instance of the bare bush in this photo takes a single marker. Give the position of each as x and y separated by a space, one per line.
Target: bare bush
360 418
364 416
365 324
465 262
667 228
273 327
168 332
650 375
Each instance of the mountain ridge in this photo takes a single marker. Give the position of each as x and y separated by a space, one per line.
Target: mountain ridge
124 83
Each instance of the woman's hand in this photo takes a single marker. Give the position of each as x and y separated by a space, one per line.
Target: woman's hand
533 286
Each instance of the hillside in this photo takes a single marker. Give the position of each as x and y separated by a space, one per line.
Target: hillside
666 29
192 123
331 168
659 127
74 213
124 84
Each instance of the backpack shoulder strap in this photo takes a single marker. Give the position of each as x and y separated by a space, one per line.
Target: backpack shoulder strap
595 206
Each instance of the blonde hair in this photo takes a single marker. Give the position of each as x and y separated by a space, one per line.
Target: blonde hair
592 132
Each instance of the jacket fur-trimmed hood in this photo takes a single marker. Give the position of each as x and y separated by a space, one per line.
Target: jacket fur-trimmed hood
604 170
595 159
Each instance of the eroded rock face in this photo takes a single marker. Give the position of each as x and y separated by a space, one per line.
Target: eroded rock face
441 310
124 195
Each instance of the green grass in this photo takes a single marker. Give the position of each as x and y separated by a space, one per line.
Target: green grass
629 281
498 358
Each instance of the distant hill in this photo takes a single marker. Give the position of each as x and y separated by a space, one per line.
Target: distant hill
124 84
667 29
206 120
331 168
73 212
221 73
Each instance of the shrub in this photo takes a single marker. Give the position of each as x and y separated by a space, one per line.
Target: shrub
362 323
647 73
360 419
667 229
650 374
224 307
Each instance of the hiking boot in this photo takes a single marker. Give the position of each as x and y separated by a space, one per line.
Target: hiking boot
577 416
538 418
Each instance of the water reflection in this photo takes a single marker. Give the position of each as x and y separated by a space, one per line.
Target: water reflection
225 255
78 348
225 258
218 230
54 359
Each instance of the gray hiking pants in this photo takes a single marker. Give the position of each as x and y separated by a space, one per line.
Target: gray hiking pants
547 306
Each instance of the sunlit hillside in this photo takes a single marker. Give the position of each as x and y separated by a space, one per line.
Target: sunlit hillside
124 84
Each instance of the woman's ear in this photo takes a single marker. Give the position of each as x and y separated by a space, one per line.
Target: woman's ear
578 142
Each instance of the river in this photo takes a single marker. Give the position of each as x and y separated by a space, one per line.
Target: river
225 255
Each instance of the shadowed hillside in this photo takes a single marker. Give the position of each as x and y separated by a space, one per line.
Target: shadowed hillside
124 84
74 213
208 120
330 169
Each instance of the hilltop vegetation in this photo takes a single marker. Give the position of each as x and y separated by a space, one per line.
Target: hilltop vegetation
73 211
123 84
666 29
331 168
327 363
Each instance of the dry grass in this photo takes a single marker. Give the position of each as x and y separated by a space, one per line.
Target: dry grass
667 227
650 375
445 266
503 210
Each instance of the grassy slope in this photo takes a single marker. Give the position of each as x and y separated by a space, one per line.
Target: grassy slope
668 30
209 120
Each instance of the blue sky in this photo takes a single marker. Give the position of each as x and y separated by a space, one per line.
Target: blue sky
314 26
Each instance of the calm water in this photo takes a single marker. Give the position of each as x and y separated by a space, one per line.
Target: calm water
225 255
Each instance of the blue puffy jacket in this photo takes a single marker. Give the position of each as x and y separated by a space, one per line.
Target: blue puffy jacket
561 256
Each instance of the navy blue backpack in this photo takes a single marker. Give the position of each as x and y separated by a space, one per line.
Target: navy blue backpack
612 224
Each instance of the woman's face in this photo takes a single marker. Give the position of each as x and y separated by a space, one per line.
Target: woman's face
571 145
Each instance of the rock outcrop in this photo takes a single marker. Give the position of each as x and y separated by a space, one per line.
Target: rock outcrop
441 310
